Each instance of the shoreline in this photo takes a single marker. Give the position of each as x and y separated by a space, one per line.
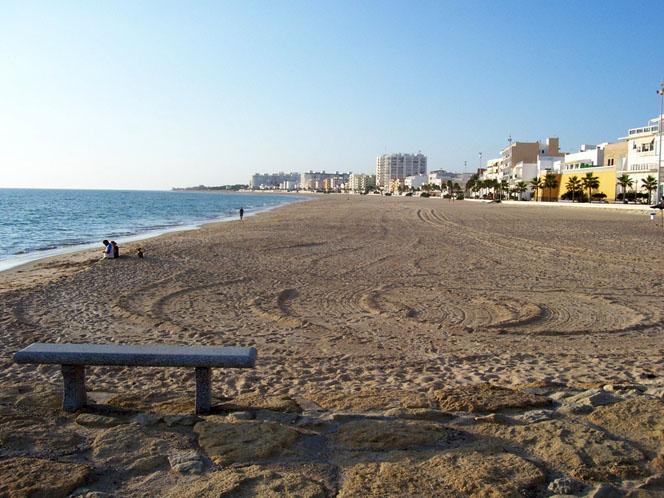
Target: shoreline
21 261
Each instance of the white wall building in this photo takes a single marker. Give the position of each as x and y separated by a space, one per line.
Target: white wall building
317 180
416 181
548 164
398 166
643 146
272 180
289 185
588 156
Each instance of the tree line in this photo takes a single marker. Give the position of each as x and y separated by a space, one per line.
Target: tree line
576 187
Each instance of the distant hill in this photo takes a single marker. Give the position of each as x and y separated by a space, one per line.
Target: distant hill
205 188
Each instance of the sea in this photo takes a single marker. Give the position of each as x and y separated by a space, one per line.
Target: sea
39 223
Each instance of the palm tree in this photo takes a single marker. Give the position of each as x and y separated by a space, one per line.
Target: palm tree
550 182
590 182
477 186
521 187
536 183
625 181
649 183
504 185
573 185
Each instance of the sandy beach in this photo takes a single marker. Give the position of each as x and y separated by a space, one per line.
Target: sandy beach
358 305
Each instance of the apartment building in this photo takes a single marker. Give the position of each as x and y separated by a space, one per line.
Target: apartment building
272 180
360 182
615 154
527 153
315 180
391 167
416 181
643 151
587 157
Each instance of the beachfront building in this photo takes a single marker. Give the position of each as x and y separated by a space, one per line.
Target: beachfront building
398 166
272 180
643 151
491 172
615 154
527 153
394 186
361 182
606 176
289 185
587 157
416 181
548 164
315 180
521 162
522 172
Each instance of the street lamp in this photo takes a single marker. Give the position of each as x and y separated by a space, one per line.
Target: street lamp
660 92
478 171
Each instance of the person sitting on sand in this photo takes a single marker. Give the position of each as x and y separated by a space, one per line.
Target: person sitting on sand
139 252
116 250
108 249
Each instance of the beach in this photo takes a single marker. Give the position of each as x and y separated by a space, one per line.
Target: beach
358 305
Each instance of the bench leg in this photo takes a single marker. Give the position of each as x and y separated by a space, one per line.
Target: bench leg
203 390
74 396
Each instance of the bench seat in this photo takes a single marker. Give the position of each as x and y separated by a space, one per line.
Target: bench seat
75 357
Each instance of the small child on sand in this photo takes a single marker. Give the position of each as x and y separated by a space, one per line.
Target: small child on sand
139 252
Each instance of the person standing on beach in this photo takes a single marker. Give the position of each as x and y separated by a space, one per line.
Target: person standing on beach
241 213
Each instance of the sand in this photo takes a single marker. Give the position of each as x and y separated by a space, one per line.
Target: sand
348 295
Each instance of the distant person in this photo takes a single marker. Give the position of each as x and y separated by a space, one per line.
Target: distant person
116 250
139 252
108 249
241 213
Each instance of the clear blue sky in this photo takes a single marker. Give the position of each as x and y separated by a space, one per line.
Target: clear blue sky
160 94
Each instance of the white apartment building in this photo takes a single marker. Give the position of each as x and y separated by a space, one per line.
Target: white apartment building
643 146
289 185
548 164
317 180
391 167
492 170
272 180
587 157
416 181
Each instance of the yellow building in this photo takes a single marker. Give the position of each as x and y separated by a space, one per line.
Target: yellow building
605 174
394 185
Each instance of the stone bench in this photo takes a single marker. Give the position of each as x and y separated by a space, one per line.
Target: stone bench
75 357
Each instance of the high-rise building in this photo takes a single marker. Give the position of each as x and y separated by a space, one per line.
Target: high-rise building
272 180
360 182
391 167
315 180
